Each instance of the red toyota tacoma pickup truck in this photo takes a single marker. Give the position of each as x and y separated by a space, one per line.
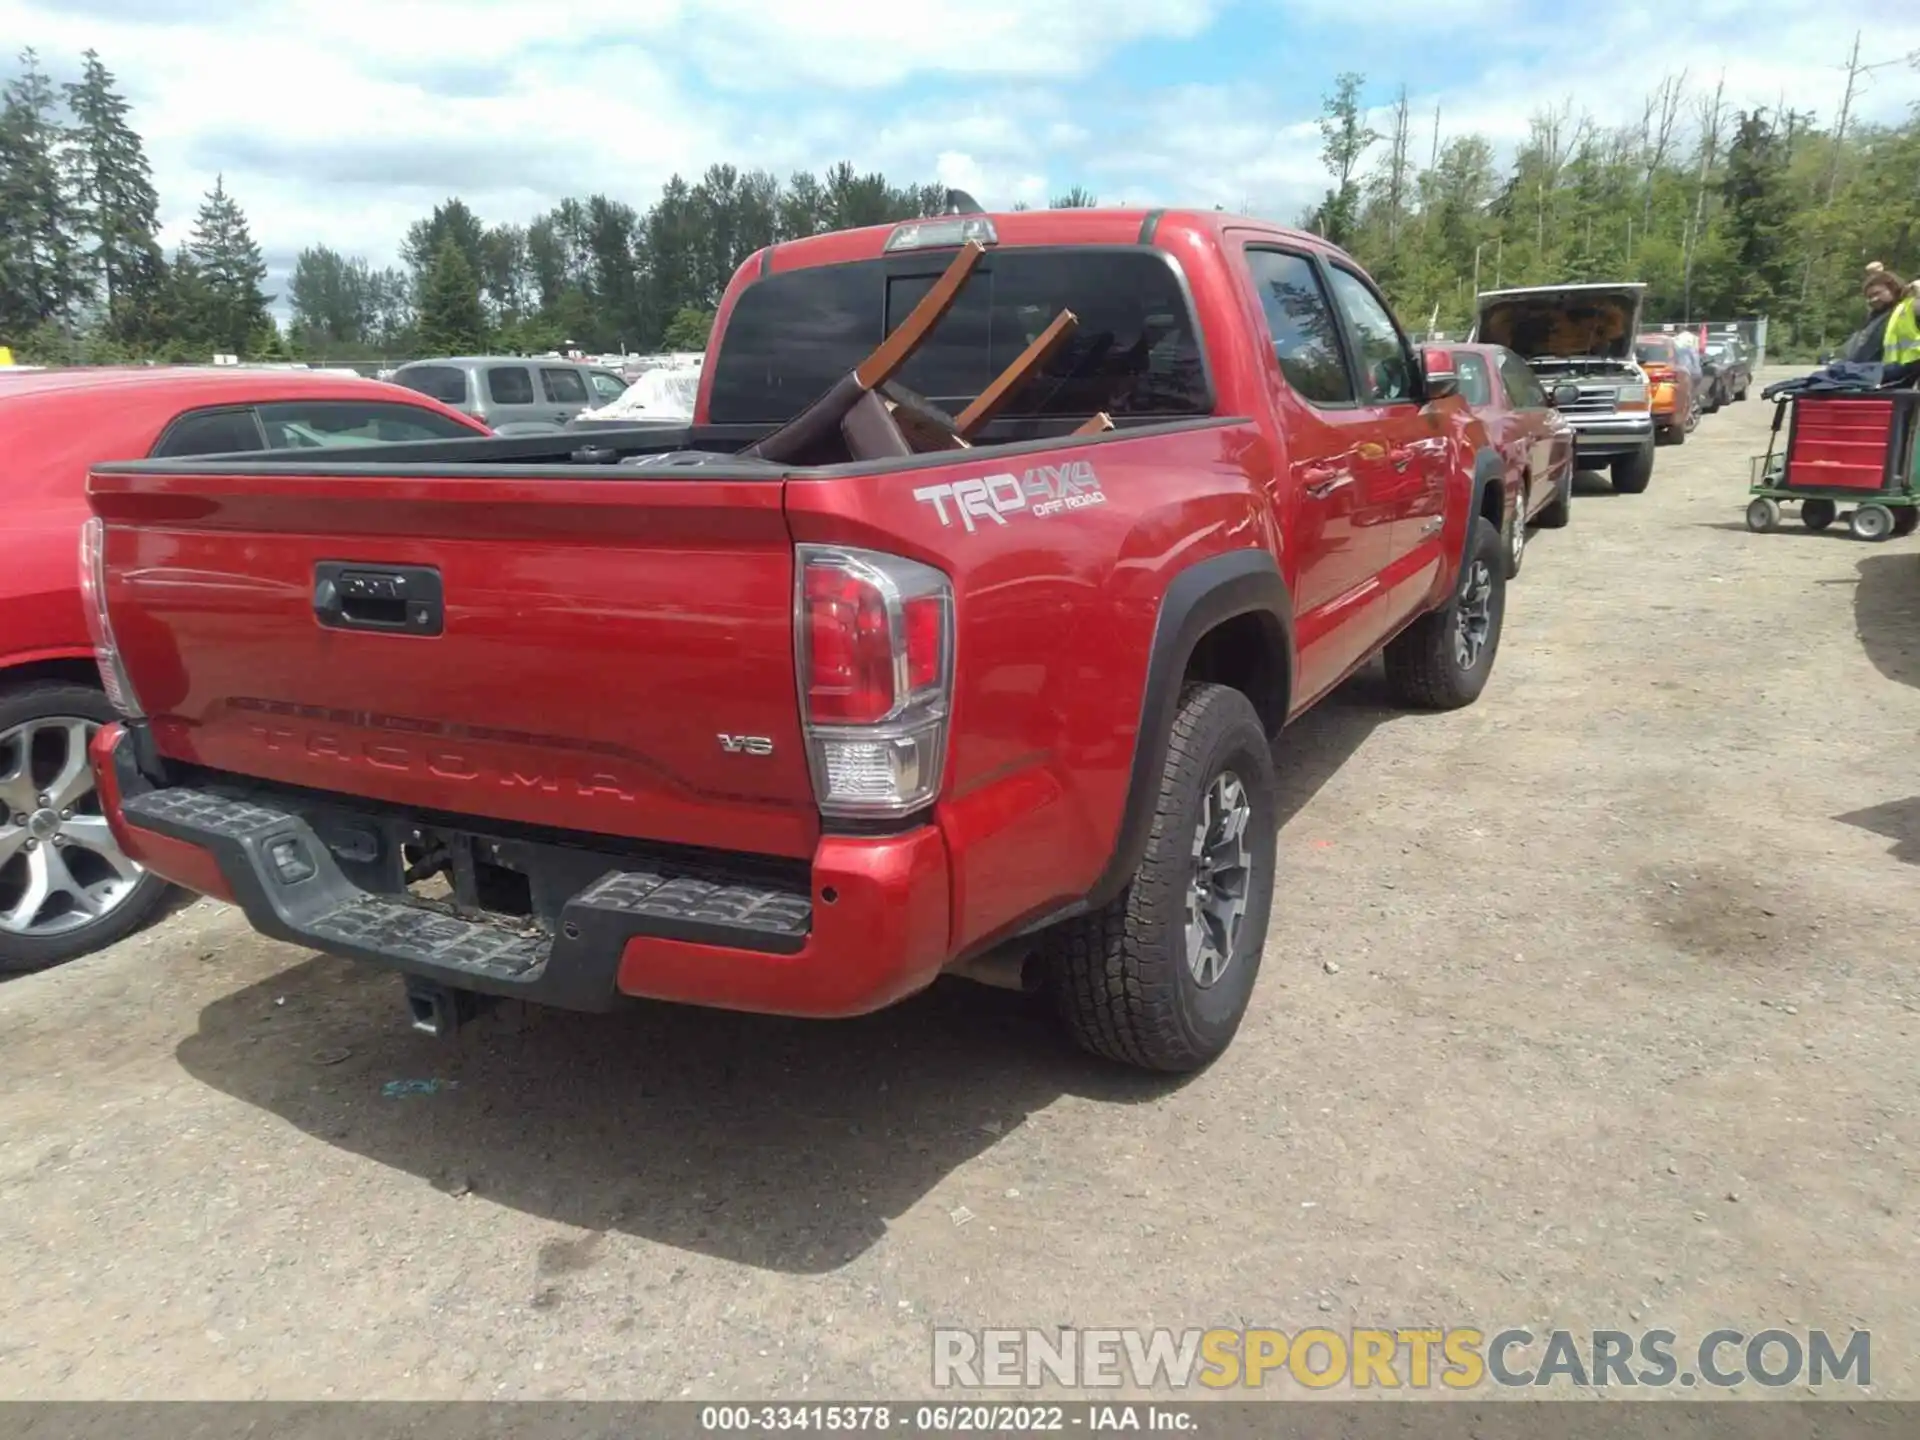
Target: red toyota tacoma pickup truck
795 708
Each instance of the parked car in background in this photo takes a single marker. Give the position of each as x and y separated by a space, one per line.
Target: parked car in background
1534 439
510 393
1672 387
65 887
1731 368
1583 334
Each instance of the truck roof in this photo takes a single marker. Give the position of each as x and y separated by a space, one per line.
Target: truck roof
1117 225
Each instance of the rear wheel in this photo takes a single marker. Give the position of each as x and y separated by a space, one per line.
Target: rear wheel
66 888
1817 514
1161 977
1871 522
1632 473
1517 535
1443 659
1906 520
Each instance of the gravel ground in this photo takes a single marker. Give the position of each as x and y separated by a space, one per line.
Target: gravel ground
1590 1006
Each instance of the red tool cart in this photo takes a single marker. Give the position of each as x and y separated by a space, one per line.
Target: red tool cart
1842 448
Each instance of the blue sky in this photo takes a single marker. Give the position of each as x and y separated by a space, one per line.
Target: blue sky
340 121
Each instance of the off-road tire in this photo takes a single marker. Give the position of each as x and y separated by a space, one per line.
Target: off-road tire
1633 473
1119 977
1423 666
19 954
1559 510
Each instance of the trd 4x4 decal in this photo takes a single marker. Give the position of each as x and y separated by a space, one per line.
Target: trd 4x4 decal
1043 490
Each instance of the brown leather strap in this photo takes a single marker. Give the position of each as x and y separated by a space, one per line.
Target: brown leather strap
1017 374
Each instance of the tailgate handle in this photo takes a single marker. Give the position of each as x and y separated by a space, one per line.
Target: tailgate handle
396 599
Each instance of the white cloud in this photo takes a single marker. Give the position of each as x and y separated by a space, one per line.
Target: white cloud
341 121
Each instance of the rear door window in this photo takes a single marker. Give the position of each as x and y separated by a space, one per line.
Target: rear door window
1135 351
509 385
564 387
211 432
1306 337
1475 384
445 383
327 424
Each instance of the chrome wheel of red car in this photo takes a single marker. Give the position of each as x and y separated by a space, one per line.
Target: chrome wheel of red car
1475 615
60 868
1217 889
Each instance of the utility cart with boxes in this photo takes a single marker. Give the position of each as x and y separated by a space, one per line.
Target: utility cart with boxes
1843 447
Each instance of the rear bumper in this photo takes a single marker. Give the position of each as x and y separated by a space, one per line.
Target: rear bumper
867 926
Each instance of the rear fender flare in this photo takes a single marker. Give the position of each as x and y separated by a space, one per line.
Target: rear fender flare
1199 598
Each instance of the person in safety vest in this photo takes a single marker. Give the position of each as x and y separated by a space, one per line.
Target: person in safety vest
1891 335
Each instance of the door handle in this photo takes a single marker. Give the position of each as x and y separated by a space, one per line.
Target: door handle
396 599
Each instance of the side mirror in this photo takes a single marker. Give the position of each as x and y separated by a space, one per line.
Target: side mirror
1564 395
1441 384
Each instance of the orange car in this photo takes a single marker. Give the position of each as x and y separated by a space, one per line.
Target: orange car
1670 383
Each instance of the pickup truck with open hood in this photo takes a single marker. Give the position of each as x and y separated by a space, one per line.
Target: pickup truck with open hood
950 635
1584 335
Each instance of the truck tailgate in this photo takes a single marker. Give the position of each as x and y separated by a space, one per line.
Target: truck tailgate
606 649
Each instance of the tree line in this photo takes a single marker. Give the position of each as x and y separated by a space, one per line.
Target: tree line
1723 212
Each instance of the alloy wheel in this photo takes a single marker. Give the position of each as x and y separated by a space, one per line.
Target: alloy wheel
1221 877
1474 623
60 867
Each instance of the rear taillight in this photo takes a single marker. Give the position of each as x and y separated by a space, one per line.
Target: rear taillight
93 601
874 642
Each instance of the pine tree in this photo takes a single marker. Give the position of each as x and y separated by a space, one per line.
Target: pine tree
115 205
183 310
451 320
40 277
230 271
1752 189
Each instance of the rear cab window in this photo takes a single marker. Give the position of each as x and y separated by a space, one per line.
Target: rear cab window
326 424
1301 324
445 383
1134 354
224 431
